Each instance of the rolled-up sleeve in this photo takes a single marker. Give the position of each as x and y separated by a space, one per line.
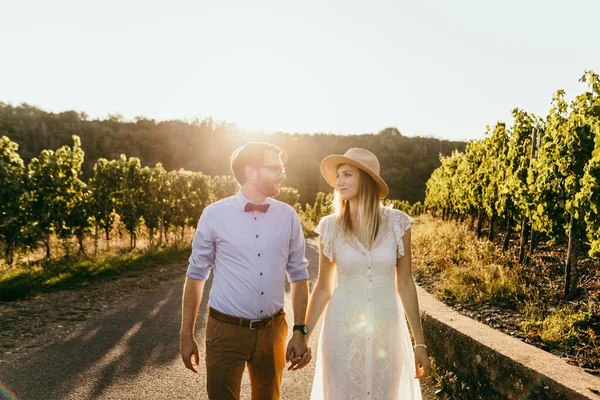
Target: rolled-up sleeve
203 249
297 266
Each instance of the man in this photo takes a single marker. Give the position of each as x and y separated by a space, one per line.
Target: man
252 241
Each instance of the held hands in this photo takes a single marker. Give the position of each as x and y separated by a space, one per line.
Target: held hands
188 348
421 362
298 353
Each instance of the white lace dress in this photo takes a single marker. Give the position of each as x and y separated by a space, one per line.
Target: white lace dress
365 351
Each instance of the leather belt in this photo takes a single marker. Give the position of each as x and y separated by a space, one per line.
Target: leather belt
252 324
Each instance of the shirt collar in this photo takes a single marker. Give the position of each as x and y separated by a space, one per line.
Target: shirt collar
243 200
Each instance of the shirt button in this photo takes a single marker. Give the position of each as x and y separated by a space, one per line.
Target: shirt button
255 218
259 254
261 293
261 274
257 236
261 311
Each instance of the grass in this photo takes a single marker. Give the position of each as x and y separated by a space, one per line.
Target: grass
559 327
465 269
33 274
461 269
31 279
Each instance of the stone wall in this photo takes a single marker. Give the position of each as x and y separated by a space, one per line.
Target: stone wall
497 365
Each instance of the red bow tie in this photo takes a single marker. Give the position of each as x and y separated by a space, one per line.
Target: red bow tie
253 207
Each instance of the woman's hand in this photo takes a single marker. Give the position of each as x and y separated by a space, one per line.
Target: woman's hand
421 363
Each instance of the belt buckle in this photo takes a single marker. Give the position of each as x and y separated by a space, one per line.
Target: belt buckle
253 321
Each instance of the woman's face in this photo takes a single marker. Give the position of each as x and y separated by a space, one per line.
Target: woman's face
348 179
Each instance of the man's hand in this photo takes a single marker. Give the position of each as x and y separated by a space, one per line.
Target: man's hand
298 354
188 348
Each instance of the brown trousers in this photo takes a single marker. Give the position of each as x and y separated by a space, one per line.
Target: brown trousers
230 347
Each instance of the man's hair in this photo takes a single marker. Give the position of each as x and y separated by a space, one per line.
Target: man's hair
252 154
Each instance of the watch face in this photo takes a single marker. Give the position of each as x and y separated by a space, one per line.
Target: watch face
301 328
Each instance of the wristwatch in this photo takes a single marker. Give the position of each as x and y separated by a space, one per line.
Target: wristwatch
301 328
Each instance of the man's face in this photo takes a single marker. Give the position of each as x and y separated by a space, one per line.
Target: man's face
270 175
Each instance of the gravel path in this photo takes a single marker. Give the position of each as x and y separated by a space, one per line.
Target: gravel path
121 341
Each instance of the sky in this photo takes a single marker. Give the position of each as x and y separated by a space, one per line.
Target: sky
436 68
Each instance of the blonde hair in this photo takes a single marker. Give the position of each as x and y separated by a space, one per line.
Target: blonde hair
369 211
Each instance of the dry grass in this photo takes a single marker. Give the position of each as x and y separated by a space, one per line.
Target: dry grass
33 273
464 269
119 243
479 279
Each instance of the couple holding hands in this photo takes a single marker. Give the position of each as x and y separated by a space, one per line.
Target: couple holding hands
253 241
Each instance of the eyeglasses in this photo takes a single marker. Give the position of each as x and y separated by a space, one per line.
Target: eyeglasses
277 170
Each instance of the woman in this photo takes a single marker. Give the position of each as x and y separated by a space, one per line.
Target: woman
365 351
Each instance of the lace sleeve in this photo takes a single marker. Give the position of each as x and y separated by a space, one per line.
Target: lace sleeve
325 229
400 223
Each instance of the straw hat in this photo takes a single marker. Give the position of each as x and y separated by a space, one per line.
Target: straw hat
360 158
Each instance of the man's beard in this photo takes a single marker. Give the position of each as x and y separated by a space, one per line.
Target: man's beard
267 188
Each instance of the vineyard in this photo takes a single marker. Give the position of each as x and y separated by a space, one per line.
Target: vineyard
48 199
539 178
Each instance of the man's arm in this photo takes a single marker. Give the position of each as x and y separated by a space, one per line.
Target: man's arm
201 261
299 301
297 269
298 352
192 295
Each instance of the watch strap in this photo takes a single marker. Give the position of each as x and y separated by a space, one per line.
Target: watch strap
301 328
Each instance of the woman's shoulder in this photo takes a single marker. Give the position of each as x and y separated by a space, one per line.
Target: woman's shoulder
331 217
326 224
389 212
397 216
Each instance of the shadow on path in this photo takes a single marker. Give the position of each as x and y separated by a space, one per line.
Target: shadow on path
115 346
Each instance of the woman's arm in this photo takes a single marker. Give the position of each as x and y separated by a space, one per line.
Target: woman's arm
408 291
408 294
322 291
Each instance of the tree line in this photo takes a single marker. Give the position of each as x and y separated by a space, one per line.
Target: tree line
48 198
541 177
205 145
